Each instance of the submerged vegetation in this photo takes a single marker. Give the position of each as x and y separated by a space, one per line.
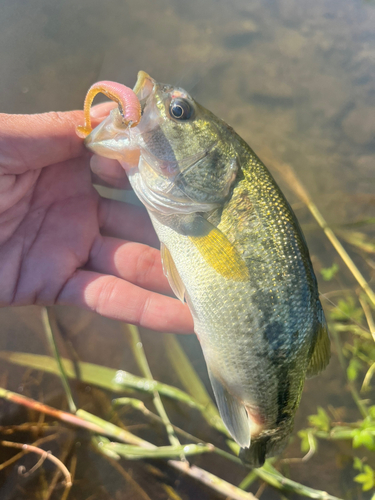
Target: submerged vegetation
131 412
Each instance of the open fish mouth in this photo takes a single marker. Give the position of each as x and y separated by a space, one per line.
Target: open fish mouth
113 135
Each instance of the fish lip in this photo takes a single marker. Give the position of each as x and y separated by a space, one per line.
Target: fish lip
144 87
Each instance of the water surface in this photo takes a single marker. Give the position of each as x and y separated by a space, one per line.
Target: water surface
296 79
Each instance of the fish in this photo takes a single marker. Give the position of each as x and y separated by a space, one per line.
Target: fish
232 248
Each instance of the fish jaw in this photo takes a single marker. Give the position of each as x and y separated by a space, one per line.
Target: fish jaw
111 139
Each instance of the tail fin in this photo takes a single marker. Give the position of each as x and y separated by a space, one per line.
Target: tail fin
256 455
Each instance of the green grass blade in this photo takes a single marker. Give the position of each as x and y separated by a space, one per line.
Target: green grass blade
53 346
101 376
141 359
274 478
136 452
113 430
248 480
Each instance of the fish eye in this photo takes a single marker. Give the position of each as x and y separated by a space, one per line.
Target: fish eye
180 109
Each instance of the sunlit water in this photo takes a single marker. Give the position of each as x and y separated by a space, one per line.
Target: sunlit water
295 78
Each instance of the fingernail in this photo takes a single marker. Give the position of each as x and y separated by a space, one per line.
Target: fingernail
102 110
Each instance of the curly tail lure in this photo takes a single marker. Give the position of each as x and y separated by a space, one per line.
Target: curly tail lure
128 103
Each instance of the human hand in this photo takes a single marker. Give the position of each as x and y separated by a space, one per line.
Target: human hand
61 243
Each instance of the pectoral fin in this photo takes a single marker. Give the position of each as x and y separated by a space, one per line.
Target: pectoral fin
170 270
233 412
322 352
219 252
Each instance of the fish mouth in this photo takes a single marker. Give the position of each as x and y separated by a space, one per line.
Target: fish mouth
112 137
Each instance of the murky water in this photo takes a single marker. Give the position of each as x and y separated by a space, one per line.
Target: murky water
296 79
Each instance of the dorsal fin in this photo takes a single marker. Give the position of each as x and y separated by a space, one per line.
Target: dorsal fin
322 350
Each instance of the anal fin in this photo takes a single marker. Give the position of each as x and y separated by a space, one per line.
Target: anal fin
170 270
233 412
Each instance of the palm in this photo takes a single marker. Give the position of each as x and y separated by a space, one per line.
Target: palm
55 231
52 247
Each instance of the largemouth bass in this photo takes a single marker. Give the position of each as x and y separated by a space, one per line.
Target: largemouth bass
232 248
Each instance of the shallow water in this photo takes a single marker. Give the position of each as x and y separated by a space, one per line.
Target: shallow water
296 79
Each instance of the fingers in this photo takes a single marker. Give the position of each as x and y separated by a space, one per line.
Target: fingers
111 171
117 184
108 172
100 111
117 299
139 264
36 141
126 221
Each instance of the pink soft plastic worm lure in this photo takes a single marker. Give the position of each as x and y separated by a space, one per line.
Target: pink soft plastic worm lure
128 102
